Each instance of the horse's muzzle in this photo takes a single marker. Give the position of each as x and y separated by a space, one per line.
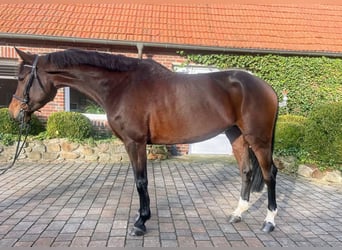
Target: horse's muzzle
14 109
19 111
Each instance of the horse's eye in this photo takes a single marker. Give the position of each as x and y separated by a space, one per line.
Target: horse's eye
21 77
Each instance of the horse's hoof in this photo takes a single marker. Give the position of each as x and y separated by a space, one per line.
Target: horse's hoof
267 227
234 219
137 231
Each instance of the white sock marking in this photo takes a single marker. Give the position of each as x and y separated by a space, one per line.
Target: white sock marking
242 207
270 216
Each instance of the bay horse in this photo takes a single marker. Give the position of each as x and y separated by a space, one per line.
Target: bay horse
146 103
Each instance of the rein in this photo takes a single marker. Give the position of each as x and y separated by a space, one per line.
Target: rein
24 128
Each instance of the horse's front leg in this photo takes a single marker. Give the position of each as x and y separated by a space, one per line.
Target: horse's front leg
137 154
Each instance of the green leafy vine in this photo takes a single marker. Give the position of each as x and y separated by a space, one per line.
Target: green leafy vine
309 81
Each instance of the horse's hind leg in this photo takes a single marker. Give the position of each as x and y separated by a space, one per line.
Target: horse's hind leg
263 153
240 150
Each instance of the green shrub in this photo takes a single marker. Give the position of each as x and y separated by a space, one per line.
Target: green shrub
291 118
11 126
323 136
93 108
36 126
7 139
289 134
70 125
7 124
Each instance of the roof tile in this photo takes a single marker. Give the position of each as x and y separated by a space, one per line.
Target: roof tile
282 27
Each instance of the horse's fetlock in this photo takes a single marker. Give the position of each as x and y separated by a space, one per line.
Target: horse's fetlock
145 214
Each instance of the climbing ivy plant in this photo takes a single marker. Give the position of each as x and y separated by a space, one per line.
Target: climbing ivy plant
309 81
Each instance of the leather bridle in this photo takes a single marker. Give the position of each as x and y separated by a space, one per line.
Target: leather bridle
26 94
24 127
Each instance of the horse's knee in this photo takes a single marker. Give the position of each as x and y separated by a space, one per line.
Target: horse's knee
141 183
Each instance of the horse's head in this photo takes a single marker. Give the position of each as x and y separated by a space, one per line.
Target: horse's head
34 89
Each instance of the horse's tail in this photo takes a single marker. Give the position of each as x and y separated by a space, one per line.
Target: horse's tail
257 178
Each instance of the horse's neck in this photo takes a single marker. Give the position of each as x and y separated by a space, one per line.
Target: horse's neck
90 83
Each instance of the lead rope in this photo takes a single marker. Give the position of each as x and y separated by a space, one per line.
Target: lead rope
24 127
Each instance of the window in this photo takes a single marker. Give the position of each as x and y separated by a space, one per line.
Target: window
81 103
8 80
193 69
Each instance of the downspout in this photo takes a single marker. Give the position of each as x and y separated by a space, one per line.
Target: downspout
140 47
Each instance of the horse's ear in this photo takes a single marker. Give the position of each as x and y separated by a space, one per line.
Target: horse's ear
26 57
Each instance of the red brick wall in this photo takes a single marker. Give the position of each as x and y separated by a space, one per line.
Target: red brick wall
56 105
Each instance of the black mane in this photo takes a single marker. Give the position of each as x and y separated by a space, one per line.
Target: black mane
76 57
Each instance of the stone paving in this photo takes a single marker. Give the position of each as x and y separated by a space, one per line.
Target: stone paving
94 204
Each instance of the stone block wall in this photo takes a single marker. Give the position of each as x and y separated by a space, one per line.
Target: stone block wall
62 149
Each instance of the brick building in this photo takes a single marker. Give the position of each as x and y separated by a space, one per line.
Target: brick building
159 32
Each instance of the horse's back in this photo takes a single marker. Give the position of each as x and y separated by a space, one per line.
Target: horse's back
196 107
182 108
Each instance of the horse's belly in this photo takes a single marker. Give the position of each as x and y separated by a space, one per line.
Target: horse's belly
189 131
193 117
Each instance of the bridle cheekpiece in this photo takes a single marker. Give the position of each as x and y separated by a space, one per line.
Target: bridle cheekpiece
26 94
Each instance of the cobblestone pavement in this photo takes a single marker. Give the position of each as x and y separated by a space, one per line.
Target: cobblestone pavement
93 204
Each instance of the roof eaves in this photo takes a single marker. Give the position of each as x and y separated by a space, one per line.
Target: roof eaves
13 37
